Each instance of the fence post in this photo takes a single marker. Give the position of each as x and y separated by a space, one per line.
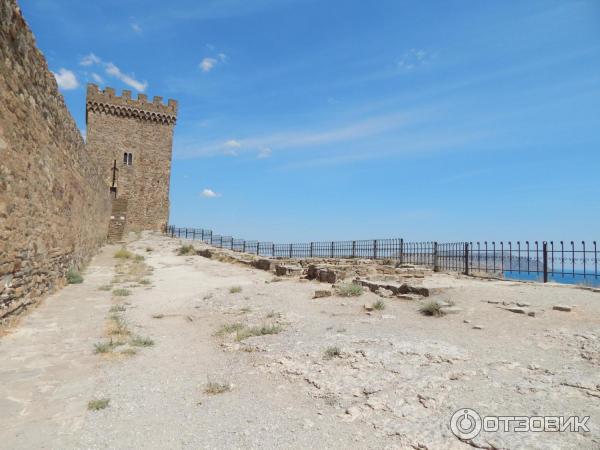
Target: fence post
436 266
374 248
211 238
353 249
466 258
291 251
545 256
332 249
401 251
244 246
311 249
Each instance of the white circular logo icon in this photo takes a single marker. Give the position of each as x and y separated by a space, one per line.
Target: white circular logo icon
465 423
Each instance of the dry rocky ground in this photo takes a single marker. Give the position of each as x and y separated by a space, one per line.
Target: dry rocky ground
189 352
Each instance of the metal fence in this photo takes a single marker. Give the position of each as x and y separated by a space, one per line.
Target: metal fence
570 261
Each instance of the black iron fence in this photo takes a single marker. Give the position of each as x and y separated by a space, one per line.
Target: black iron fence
570 261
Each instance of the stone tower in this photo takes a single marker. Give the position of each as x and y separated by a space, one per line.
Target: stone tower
132 142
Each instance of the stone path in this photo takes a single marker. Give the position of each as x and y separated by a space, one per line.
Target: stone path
47 364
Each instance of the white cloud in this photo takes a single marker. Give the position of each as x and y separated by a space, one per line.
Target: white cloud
264 152
208 64
232 143
135 27
209 193
114 71
89 60
97 78
222 57
66 79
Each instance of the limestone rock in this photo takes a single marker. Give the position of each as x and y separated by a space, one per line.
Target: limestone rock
563 308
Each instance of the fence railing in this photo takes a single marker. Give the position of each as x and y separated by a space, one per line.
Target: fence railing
570 261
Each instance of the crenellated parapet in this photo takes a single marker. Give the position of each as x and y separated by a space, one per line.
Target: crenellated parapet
108 102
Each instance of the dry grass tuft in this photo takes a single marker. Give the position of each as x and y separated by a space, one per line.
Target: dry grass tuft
186 250
139 341
235 289
349 290
379 305
121 292
214 388
431 308
74 277
263 330
332 352
123 253
98 404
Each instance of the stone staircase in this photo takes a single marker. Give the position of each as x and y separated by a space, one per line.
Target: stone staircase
118 218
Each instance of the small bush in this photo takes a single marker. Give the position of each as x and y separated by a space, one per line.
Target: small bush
235 289
379 305
431 309
139 258
145 281
214 388
349 290
149 249
186 250
139 341
121 292
102 347
332 352
106 287
229 328
74 277
123 253
245 333
119 326
117 308
158 316
98 404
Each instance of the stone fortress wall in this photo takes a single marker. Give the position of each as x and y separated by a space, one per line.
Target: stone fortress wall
119 128
54 200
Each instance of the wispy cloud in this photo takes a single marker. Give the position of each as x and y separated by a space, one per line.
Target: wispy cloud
136 27
208 64
97 78
264 152
414 58
129 80
209 193
306 138
232 143
113 71
66 79
90 60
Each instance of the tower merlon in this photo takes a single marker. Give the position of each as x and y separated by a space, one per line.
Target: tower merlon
108 102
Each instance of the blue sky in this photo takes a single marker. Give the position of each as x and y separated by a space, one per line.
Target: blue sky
307 120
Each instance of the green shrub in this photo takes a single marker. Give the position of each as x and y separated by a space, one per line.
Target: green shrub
140 341
349 290
98 404
431 308
123 253
235 289
74 277
379 305
121 292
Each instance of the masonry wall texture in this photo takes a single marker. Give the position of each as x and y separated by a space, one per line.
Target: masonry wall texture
118 128
54 202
